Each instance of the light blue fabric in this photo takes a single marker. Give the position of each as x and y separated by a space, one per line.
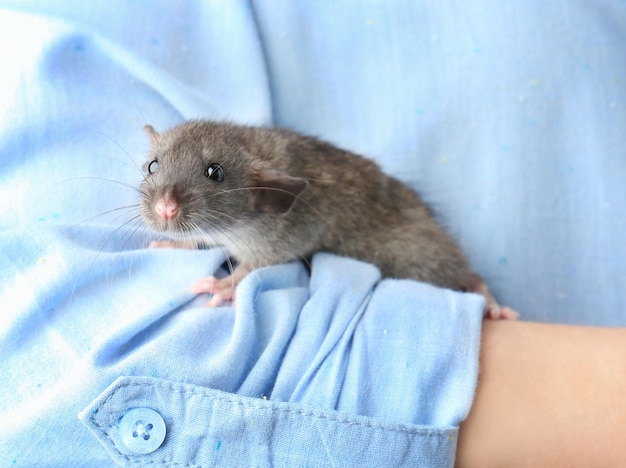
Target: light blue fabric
508 118
359 369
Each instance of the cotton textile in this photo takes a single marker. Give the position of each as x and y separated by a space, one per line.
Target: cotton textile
508 118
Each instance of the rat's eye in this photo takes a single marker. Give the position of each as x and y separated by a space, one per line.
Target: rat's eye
153 166
214 172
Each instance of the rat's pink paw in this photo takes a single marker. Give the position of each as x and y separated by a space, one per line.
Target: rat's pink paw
221 290
187 244
495 312
162 245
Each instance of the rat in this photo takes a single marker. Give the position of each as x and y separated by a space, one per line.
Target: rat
272 195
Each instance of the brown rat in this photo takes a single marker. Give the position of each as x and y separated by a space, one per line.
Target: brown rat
272 195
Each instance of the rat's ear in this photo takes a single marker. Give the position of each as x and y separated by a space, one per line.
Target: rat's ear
276 192
153 134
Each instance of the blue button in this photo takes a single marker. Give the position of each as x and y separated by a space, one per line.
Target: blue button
142 430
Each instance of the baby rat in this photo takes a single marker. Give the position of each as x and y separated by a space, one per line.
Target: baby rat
272 195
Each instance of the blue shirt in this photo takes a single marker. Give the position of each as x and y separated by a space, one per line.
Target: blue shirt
332 368
508 118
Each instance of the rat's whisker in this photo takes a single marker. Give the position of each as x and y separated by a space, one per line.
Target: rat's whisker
118 145
132 93
99 250
220 214
299 198
136 223
305 260
190 228
228 232
226 254
103 179
104 213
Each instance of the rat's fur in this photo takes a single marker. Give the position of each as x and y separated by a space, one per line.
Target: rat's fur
285 196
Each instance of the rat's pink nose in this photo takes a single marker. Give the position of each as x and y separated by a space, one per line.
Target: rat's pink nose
166 208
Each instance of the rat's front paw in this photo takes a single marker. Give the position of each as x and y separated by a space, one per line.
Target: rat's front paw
186 244
221 290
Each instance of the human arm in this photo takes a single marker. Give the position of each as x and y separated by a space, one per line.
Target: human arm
547 395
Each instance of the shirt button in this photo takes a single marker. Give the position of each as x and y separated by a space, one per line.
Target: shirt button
142 430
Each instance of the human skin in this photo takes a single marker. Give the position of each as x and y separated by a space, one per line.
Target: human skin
547 395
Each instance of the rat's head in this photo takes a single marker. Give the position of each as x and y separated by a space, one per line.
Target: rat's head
201 178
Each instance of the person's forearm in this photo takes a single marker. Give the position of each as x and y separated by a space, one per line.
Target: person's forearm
548 395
